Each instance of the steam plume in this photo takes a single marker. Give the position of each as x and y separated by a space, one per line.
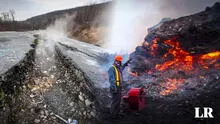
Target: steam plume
132 18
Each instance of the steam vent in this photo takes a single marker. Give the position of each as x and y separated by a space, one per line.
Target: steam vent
50 78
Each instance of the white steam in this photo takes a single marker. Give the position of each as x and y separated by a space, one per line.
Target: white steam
132 18
128 25
60 28
48 38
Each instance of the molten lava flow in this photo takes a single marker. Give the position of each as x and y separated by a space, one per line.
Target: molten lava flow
154 47
182 60
171 85
132 73
210 60
176 59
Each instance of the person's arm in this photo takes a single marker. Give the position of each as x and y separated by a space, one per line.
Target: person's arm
125 64
111 76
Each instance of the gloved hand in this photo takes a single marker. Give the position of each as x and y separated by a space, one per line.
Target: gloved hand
126 63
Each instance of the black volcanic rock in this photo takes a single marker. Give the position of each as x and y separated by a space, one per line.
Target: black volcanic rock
199 32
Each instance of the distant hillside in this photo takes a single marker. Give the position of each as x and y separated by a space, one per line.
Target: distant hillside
90 21
84 15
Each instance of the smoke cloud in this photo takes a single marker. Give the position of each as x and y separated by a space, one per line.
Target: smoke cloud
60 28
54 33
132 18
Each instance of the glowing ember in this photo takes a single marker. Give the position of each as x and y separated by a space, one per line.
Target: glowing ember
181 59
178 63
154 47
171 85
210 60
132 73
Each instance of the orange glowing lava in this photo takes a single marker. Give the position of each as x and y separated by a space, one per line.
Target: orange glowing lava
154 47
180 58
210 60
183 61
132 73
171 85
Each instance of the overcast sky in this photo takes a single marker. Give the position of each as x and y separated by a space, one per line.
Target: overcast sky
28 8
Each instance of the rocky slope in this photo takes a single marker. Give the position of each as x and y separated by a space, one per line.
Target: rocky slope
199 32
170 66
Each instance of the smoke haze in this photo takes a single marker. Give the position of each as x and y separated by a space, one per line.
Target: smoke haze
60 28
132 18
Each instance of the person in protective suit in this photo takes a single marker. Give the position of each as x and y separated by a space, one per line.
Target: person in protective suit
116 80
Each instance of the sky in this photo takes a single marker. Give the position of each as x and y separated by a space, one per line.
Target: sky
27 8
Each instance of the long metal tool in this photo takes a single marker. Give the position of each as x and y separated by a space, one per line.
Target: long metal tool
69 121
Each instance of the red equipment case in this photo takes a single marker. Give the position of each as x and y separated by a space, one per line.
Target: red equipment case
135 99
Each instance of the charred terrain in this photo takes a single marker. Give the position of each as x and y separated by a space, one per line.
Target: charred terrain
178 65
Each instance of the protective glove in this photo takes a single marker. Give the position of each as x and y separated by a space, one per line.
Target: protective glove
126 63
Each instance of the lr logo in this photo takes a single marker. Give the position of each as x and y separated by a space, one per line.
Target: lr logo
207 112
